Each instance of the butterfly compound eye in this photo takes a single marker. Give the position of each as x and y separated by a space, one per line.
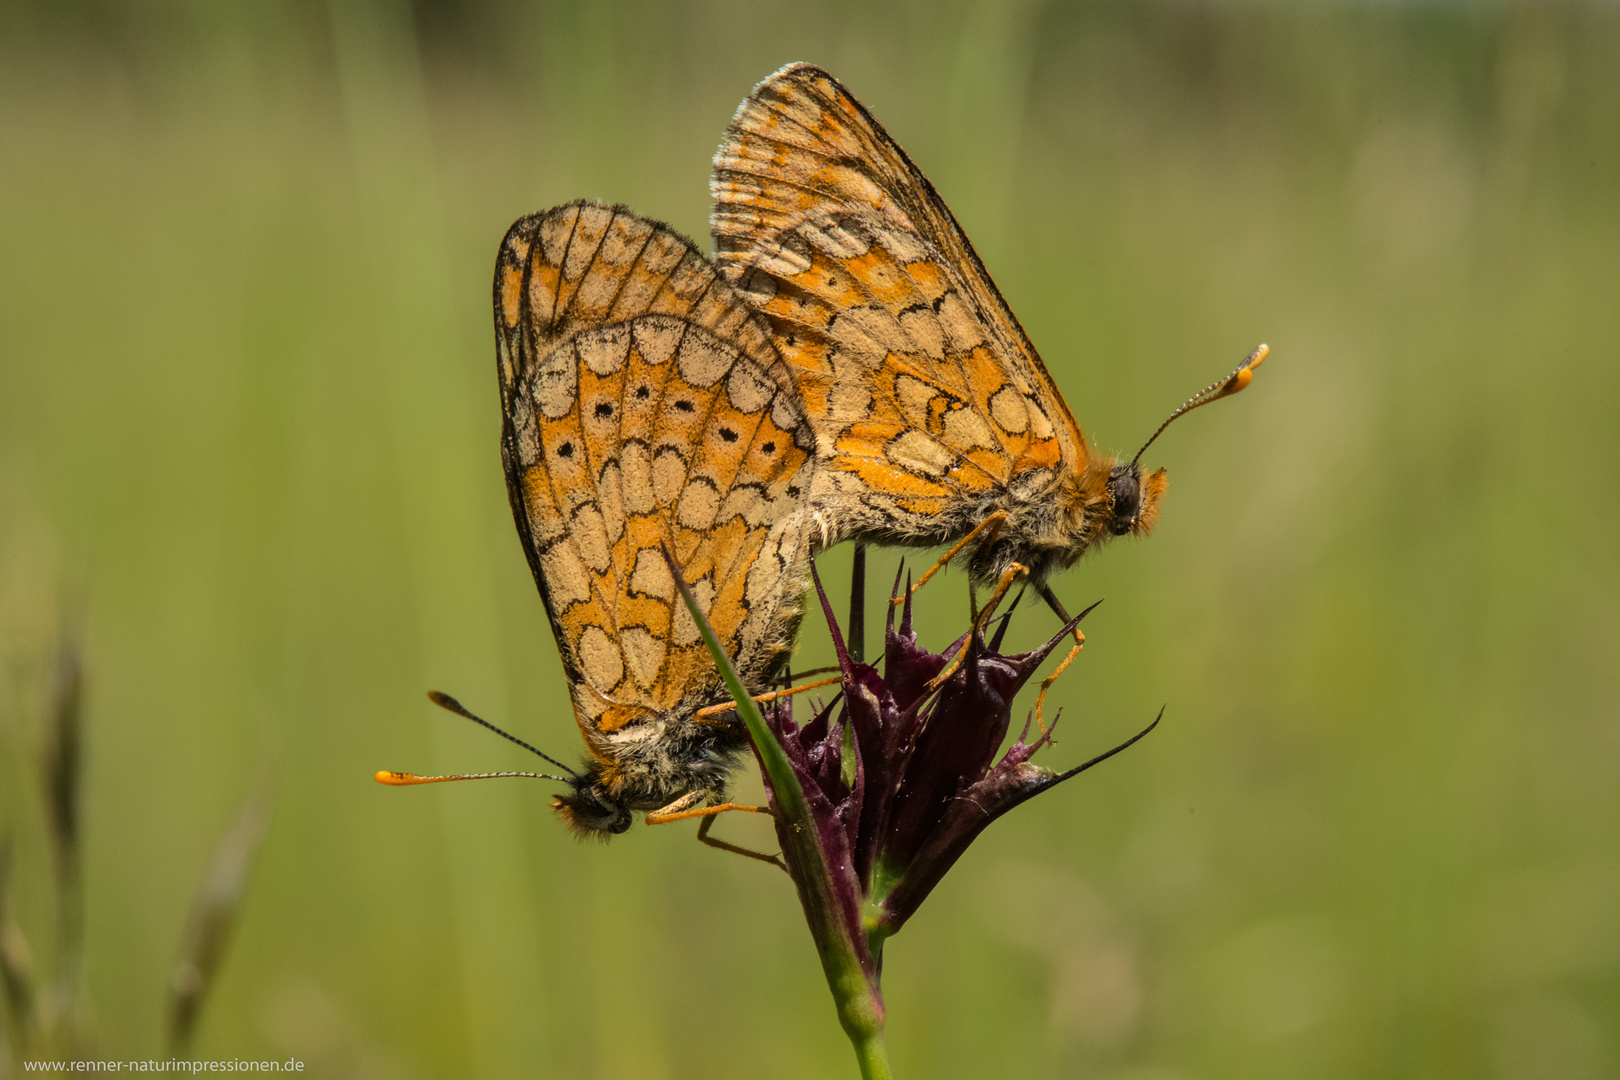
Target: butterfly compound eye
587 812
1124 498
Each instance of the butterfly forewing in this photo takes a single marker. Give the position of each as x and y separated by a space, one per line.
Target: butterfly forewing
924 390
646 406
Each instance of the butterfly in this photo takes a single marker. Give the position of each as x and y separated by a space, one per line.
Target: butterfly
935 420
645 410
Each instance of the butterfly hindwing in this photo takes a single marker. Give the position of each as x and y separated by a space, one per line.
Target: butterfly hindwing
646 406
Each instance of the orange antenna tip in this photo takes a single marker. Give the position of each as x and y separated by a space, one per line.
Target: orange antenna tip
394 779
1244 375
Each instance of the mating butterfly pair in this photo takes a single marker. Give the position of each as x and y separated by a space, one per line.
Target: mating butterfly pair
844 369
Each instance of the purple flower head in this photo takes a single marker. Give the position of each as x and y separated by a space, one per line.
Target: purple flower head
899 776
880 793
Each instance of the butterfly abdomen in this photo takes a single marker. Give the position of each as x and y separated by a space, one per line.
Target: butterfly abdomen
655 763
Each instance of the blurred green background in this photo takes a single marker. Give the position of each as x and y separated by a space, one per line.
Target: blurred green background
248 432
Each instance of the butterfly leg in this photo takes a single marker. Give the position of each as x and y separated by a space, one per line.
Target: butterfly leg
1046 683
1060 611
705 838
1008 577
992 524
678 811
704 714
1079 640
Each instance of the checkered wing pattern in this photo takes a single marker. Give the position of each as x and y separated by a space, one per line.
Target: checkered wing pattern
645 405
928 400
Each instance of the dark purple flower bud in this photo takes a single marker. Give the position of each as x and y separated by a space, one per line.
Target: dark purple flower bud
866 839
925 779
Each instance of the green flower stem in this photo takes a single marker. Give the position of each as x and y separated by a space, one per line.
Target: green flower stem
855 997
873 1058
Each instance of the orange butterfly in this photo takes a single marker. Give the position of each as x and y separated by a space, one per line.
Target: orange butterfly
645 408
935 420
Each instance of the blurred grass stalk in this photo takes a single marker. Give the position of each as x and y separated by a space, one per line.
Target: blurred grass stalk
44 1020
16 963
61 762
214 911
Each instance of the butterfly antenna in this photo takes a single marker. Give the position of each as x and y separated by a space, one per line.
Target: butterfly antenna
445 701
1213 392
405 779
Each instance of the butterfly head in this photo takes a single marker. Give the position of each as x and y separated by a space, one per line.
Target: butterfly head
589 810
1133 499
